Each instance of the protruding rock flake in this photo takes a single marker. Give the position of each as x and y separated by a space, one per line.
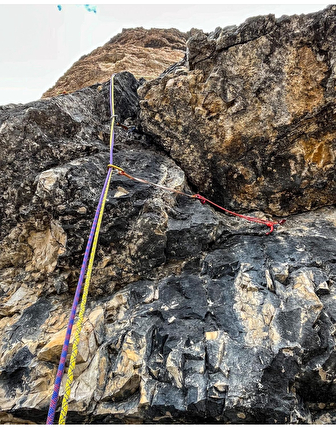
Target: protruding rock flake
193 316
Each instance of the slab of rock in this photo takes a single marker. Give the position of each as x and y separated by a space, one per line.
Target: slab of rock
250 114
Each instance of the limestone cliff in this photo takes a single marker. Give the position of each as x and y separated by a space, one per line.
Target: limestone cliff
144 53
193 316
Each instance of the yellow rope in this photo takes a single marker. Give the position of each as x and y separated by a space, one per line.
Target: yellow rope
74 352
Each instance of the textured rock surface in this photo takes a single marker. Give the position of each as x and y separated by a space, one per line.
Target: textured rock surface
193 316
250 114
145 53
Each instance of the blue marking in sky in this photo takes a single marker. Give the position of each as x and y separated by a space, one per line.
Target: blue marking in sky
90 8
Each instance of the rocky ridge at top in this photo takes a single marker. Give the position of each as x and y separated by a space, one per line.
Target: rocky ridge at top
193 316
144 53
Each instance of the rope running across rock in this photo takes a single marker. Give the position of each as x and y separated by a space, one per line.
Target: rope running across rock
202 199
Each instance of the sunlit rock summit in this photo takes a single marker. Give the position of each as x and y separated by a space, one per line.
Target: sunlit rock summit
144 53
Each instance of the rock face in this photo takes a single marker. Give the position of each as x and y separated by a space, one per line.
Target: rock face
193 316
250 114
144 53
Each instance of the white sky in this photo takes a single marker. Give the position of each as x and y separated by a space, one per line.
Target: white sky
39 43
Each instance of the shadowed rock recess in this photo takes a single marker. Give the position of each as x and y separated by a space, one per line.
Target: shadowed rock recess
193 316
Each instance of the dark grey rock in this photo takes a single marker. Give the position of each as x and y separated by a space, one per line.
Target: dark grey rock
193 316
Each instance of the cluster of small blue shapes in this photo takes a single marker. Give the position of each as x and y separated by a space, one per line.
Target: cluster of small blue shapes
88 7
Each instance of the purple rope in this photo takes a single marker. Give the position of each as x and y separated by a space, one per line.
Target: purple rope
112 145
111 110
112 113
60 371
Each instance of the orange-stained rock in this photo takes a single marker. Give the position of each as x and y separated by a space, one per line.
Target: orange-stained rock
250 113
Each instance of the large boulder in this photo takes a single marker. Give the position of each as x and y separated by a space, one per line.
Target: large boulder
250 114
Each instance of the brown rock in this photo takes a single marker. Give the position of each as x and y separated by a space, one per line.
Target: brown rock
144 53
9 419
249 115
87 346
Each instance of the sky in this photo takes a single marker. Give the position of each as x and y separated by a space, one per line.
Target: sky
40 42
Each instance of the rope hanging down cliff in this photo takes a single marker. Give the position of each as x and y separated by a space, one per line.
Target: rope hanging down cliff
87 267
92 242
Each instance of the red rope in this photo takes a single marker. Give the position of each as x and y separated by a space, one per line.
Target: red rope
203 200
269 224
